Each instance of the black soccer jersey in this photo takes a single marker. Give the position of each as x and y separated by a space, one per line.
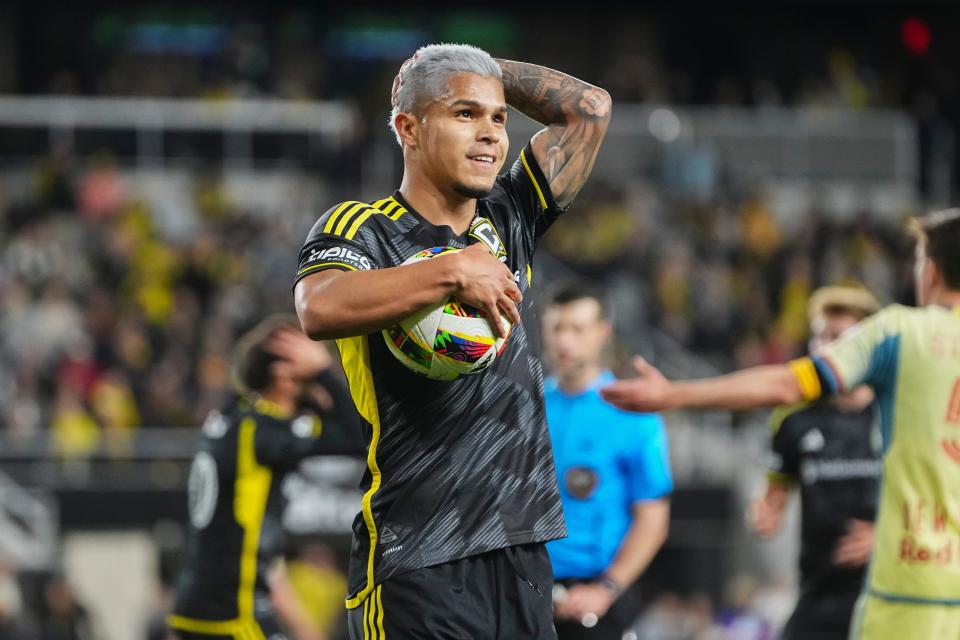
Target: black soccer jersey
454 468
236 506
834 456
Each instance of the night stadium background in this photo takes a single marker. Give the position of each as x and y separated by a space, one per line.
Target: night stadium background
160 166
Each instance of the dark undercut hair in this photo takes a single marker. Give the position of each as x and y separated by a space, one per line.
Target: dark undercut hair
252 360
940 232
566 291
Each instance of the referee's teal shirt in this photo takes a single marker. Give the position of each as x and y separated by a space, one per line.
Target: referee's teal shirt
607 460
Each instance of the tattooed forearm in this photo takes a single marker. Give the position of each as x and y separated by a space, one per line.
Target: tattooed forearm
576 114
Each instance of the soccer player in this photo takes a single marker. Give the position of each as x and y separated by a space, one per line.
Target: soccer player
911 359
614 485
235 497
830 449
461 494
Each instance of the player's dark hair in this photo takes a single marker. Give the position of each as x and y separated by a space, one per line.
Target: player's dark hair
566 291
940 231
252 359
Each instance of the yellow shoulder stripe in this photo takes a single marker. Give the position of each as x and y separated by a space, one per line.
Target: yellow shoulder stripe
390 207
348 217
332 220
523 159
344 219
360 219
387 206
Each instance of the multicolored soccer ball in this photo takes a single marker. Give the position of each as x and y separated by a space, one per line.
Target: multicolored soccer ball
445 341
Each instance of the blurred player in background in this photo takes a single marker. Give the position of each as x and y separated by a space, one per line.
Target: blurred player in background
292 408
911 359
614 485
461 493
830 449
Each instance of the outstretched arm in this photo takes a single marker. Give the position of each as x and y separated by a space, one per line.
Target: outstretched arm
576 114
763 386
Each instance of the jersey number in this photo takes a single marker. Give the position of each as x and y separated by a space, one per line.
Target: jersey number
202 489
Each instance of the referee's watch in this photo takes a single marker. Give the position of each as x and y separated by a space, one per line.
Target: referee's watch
610 585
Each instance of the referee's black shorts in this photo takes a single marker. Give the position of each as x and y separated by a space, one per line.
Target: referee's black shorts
500 595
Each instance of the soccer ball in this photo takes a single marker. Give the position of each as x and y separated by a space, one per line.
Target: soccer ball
445 341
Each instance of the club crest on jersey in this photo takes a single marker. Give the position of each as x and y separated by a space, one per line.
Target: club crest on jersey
484 231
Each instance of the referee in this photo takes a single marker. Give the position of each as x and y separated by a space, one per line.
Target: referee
613 472
235 497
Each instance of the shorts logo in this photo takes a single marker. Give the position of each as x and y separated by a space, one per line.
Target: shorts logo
581 482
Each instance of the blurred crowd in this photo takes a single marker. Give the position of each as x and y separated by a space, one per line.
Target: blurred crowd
300 53
108 322
723 277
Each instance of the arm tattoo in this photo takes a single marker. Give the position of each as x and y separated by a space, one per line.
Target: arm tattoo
576 114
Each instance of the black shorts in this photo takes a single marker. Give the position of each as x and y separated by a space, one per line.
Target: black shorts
611 626
500 595
821 616
266 627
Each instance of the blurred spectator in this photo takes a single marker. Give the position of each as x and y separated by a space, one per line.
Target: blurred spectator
320 585
62 617
14 623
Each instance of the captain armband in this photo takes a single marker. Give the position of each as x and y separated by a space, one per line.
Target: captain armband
806 374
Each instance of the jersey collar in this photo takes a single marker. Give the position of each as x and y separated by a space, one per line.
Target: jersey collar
443 227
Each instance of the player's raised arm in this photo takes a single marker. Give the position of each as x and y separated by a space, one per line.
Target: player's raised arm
576 114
